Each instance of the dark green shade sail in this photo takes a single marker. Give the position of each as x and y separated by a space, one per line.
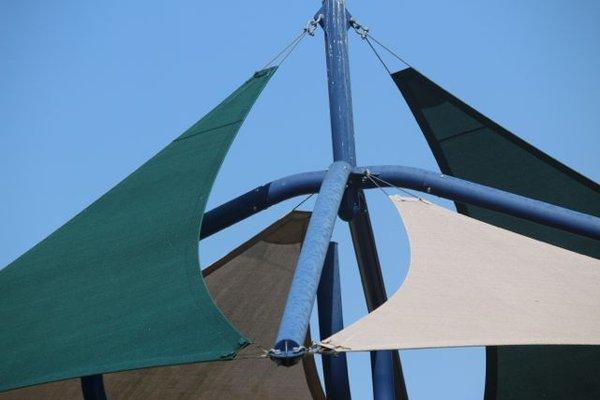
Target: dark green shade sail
470 146
119 286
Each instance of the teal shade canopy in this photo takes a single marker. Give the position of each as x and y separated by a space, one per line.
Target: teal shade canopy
470 146
119 286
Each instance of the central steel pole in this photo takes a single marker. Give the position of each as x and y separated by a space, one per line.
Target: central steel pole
331 321
388 382
336 24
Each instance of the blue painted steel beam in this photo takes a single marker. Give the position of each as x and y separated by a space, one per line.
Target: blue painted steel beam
361 232
288 346
383 376
335 23
335 26
259 199
411 178
385 365
92 387
331 320
492 199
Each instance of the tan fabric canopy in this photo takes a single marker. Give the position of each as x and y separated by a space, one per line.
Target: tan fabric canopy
473 284
250 286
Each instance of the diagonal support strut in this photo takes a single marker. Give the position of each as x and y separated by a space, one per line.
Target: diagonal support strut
288 348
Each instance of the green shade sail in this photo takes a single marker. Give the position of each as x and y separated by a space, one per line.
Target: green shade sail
470 146
119 286
250 286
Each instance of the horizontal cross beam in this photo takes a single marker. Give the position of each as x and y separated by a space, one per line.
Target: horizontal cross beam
421 180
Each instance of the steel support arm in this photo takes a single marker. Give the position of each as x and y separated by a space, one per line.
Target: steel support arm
259 199
92 387
367 258
331 320
383 371
493 199
294 322
386 368
411 178
336 23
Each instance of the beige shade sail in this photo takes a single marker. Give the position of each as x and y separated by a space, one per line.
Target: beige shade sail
474 284
250 286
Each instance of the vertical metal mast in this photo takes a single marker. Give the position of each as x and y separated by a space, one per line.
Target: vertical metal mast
331 321
336 24
388 382
337 195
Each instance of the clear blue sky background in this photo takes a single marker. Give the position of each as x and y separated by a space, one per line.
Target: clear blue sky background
90 90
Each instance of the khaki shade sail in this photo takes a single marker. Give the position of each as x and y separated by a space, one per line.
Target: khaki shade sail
250 286
468 145
474 284
118 286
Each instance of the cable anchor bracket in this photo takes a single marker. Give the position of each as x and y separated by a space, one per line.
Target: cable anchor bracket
362 30
313 24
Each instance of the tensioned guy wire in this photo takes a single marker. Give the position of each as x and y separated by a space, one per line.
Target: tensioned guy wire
378 56
303 201
370 177
366 35
293 48
408 192
289 48
375 178
309 29
402 60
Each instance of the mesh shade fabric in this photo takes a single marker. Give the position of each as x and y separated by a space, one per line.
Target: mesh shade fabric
474 284
117 287
470 146
250 286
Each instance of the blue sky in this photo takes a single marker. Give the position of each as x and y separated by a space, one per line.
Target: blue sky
89 91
